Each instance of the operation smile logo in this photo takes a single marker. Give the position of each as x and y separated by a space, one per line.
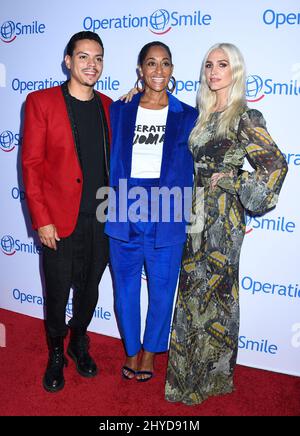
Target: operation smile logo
276 224
9 30
9 140
159 22
9 246
257 88
99 312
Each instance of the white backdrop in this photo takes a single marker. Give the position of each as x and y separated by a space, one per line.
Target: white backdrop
33 36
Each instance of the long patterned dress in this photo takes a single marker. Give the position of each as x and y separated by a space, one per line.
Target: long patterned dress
204 338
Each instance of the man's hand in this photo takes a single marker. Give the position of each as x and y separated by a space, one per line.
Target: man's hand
128 97
48 236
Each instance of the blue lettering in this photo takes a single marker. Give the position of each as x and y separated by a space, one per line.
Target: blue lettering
87 23
185 20
30 248
30 86
135 22
107 84
273 349
127 22
26 248
13 84
270 17
15 193
189 85
28 29
265 287
23 297
269 87
19 85
268 223
248 284
256 224
115 85
282 290
17 245
244 283
282 88
99 313
107 315
261 346
41 28
38 300
18 28
278 224
175 20
292 158
28 298
16 294
105 24
179 86
17 139
290 227
291 18
280 19
256 287
206 19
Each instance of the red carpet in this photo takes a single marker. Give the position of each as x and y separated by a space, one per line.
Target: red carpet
23 360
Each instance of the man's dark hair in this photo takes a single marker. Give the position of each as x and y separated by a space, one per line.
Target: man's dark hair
143 53
82 35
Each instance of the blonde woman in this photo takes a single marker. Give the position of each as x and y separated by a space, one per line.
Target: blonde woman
204 339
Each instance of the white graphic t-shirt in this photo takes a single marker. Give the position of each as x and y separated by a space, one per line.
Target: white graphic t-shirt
148 142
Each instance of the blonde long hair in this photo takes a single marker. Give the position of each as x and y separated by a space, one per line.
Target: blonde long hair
206 98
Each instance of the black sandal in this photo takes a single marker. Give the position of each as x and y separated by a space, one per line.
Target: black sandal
149 373
130 370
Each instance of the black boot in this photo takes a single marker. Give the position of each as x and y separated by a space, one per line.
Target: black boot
78 351
53 380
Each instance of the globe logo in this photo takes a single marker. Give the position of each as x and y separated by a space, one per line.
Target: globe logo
7 245
6 141
159 21
7 31
254 85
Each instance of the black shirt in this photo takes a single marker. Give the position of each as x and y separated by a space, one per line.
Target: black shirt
89 127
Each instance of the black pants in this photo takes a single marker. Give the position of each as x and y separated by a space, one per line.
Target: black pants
78 262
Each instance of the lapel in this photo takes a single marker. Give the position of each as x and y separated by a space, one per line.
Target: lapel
128 120
65 91
173 124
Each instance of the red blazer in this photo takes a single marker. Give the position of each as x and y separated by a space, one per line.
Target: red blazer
51 170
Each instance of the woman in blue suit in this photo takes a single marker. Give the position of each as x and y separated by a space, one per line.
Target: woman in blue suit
150 159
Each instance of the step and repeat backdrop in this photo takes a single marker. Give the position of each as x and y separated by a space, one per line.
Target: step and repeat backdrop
33 36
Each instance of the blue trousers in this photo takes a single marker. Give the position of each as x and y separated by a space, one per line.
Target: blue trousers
162 267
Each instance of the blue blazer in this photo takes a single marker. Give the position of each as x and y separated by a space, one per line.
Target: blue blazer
176 167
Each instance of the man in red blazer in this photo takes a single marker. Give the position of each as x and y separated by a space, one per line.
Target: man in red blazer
65 156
